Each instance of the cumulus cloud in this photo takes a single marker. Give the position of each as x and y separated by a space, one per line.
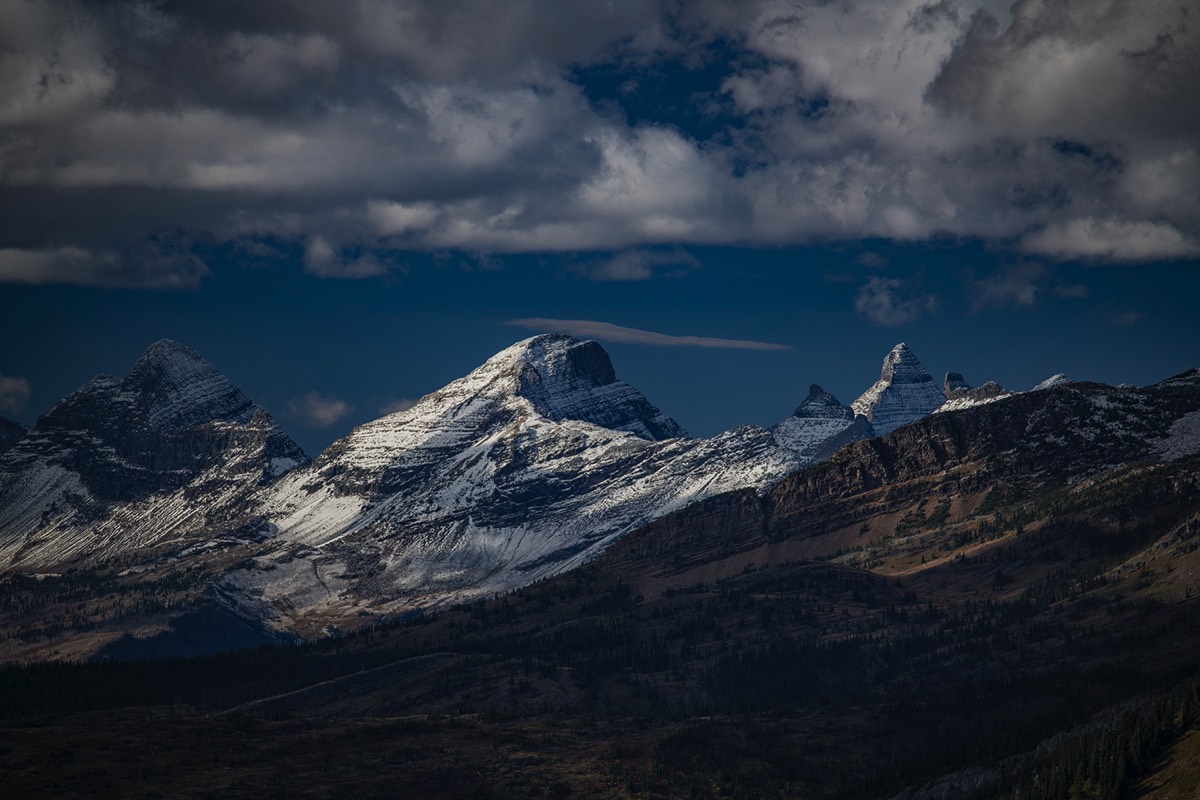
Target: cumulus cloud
892 302
1128 68
317 410
14 394
606 331
1110 240
358 131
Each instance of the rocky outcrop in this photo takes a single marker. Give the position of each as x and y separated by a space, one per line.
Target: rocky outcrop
959 394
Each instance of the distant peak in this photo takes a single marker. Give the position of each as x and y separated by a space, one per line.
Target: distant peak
181 388
954 382
901 365
1057 379
904 392
820 404
565 378
166 354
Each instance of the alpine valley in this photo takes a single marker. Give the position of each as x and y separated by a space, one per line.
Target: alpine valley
534 583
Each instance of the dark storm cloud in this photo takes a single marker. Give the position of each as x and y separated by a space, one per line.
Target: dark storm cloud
357 131
1128 70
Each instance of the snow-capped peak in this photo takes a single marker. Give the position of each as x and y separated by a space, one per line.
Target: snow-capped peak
180 388
1057 379
905 392
560 378
820 404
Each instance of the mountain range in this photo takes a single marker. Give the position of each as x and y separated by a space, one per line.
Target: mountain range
169 493
995 600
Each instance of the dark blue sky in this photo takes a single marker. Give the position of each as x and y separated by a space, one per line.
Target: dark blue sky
281 334
343 207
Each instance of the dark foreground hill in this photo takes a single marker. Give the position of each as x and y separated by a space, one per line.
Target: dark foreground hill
998 602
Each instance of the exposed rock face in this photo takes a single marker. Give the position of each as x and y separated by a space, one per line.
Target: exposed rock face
959 393
905 392
10 433
955 382
122 464
820 426
565 379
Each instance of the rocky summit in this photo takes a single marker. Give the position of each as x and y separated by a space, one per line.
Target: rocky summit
904 393
122 465
819 426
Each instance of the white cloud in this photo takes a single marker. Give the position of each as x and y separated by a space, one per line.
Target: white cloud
14 394
389 219
1110 240
606 331
317 410
892 302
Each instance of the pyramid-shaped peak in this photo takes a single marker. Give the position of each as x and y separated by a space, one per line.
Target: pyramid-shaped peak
820 404
180 388
905 392
901 365
167 360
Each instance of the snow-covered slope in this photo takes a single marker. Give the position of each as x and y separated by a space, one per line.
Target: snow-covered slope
904 393
527 466
169 453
